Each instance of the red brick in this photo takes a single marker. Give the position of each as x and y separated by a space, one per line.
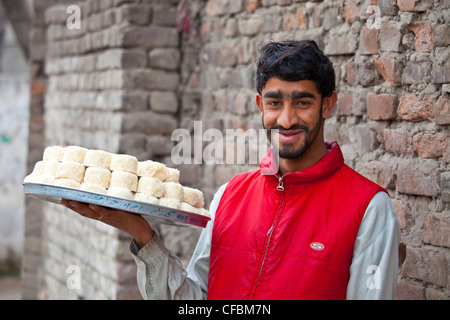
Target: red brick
441 110
414 5
345 103
301 20
235 6
380 173
391 36
442 35
424 37
351 103
430 145
409 291
446 154
249 27
284 2
382 106
436 229
215 8
226 55
419 177
362 73
349 13
413 109
433 294
289 20
398 142
422 264
342 43
252 5
36 124
365 139
350 73
240 103
406 5
38 88
404 215
440 72
317 17
368 41
390 69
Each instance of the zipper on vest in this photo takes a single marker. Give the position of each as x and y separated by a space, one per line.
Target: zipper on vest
280 187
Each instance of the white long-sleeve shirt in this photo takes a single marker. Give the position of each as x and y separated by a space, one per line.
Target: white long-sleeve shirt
373 271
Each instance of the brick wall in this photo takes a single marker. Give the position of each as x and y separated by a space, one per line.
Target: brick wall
111 84
391 119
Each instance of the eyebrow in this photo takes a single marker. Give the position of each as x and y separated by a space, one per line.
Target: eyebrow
294 95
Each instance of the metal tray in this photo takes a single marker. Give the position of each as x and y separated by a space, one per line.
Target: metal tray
151 212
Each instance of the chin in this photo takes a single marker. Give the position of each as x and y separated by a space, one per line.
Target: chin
290 152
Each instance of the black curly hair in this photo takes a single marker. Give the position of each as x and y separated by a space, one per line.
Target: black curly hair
295 61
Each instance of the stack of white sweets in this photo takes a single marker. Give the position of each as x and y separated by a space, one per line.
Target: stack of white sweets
117 175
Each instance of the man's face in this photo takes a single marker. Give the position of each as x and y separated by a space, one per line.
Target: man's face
295 109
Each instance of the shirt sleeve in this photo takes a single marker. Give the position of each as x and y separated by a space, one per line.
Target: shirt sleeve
160 274
374 268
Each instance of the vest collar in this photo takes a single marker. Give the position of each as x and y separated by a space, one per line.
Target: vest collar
327 165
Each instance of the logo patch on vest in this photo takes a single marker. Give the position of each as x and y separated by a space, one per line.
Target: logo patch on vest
317 246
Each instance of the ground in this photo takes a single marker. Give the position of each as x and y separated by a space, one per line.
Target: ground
10 288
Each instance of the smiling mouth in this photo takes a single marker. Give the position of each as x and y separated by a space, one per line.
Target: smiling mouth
290 135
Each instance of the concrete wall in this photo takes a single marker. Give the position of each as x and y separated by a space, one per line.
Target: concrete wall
14 103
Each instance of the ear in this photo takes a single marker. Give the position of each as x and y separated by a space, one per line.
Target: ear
328 105
258 100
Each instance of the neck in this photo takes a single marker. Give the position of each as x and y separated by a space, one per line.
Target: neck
310 157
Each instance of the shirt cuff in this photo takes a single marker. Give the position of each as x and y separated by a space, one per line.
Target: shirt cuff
153 253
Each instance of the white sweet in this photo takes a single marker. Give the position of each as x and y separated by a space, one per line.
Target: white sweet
204 212
173 175
120 193
91 187
151 168
173 190
194 197
123 162
97 158
70 183
187 207
38 169
98 176
45 179
124 179
30 179
151 185
74 153
145 197
55 153
51 166
170 202
70 170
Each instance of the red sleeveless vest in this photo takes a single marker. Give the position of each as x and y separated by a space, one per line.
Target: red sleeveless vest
291 244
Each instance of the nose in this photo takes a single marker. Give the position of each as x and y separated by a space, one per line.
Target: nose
288 117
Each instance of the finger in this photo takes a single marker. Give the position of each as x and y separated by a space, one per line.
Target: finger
104 213
84 210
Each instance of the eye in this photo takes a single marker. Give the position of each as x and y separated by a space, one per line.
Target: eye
273 103
303 103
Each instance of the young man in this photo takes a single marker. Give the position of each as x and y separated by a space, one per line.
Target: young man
313 229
